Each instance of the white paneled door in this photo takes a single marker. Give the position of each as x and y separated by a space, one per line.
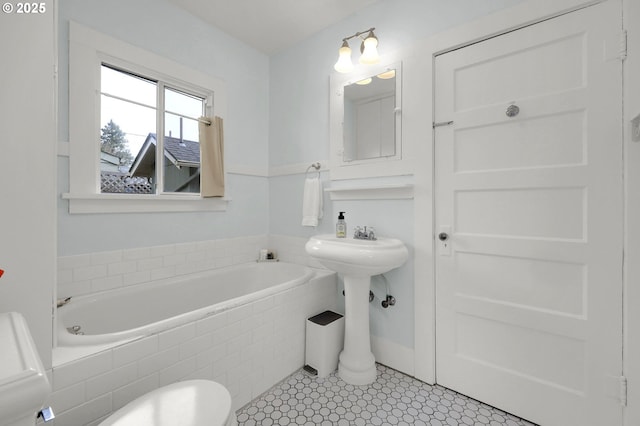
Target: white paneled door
529 219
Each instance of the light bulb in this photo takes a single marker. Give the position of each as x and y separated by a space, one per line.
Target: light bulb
387 75
369 50
365 81
344 63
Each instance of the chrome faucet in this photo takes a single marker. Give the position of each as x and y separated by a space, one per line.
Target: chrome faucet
75 329
364 234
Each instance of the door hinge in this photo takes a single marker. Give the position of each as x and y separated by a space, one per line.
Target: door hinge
622 53
615 387
623 391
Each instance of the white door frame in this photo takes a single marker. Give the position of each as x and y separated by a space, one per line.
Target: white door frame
510 19
631 270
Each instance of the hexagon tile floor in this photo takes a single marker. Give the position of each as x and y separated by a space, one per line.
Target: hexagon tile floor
393 399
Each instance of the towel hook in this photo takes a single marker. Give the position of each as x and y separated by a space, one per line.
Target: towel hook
316 166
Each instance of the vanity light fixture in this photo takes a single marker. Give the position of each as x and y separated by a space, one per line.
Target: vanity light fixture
368 49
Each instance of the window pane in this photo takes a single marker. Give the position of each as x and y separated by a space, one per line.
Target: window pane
183 104
127 145
181 142
128 86
172 127
182 155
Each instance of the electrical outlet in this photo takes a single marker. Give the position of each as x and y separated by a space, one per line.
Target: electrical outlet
635 129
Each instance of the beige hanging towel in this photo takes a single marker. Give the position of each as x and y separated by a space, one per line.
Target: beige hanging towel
211 157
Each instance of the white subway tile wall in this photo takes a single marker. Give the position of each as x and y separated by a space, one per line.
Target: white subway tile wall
89 273
291 249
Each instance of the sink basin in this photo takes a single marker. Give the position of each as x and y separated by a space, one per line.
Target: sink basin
357 261
357 257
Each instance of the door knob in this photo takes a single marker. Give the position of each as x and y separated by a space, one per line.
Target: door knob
443 236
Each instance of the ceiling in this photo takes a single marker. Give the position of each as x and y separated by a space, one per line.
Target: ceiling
272 25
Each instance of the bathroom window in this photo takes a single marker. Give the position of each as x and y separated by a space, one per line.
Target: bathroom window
133 128
145 122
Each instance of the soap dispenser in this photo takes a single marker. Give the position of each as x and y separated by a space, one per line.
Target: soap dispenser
341 226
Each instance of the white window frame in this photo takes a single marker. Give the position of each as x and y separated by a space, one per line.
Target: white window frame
88 50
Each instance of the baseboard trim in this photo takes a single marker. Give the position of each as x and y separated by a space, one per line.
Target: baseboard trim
393 355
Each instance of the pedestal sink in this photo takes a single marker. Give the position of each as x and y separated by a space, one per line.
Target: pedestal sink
357 261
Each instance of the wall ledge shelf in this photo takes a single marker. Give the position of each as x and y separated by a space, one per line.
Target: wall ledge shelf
379 192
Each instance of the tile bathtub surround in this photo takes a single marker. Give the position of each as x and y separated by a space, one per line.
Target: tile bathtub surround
93 272
291 249
248 349
393 399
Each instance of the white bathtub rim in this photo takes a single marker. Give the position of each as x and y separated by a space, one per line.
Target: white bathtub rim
68 354
66 339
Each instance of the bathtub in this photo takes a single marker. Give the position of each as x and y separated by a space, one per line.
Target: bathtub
242 326
130 313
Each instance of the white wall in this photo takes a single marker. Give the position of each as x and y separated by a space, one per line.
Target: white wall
27 172
299 134
160 27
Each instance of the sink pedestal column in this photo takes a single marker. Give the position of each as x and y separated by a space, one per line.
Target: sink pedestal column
357 364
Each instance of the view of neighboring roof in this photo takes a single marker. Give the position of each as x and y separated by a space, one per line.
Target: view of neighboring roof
183 151
179 152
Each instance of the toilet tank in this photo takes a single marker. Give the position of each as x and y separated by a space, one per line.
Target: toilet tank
23 382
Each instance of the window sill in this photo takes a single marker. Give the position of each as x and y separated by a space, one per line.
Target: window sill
126 203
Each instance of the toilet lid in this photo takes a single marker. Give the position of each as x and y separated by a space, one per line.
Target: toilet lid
188 403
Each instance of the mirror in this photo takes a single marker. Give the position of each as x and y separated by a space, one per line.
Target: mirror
366 122
369 117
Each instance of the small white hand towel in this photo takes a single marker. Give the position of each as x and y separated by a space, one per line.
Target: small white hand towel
312 201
